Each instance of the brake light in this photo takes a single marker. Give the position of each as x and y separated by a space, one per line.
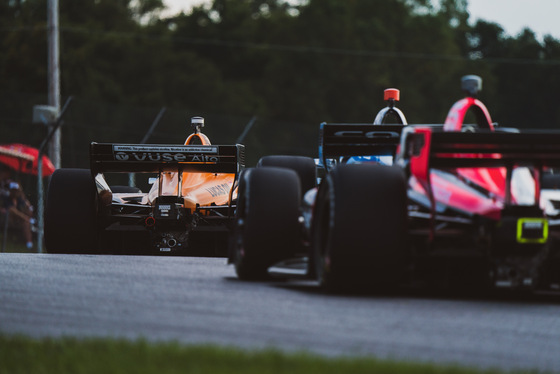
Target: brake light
150 221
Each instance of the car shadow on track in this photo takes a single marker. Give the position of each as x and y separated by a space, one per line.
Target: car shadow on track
429 293
418 291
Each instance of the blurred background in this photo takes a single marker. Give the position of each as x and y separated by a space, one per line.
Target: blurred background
282 66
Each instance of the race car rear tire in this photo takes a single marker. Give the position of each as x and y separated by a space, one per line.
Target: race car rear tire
303 166
359 230
267 229
71 212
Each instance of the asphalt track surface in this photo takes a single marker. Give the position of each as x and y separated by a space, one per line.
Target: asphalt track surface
199 300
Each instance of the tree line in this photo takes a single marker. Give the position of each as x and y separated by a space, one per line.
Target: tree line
285 63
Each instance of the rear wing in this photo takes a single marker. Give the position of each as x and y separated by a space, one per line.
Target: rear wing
424 147
429 147
131 158
341 139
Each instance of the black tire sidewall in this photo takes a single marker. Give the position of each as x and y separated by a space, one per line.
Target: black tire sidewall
71 212
267 228
304 167
363 209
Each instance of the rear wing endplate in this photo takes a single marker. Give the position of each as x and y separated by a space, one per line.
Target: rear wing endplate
130 158
341 139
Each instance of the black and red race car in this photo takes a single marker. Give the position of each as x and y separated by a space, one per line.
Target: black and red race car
450 203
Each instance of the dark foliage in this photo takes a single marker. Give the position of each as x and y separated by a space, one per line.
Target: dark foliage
292 66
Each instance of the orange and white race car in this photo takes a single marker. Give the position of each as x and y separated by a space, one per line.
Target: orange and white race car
187 210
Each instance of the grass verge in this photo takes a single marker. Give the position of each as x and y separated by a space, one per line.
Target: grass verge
13 244
68 355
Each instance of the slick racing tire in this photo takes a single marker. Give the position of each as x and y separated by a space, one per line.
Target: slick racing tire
71 212
267 229
304 167
359 230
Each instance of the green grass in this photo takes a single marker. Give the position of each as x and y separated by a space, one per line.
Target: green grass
14 244
67 355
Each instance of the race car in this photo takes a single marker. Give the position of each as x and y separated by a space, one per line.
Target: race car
276 198
458 205
188 208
